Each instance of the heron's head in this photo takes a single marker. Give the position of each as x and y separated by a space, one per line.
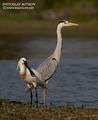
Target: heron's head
21 63
65 23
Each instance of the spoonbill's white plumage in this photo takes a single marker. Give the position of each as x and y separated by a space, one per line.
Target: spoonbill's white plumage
46 69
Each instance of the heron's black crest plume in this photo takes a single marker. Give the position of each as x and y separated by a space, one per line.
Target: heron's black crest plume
61 21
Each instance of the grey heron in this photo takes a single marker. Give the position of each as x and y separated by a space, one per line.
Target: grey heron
41 75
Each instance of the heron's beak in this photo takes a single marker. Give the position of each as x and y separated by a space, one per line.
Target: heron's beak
72 24
31 72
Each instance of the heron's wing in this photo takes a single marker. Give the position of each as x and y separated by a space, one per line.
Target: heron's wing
38 76
48 68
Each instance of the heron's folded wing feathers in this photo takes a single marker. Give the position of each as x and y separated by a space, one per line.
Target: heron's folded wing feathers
47 68
38 76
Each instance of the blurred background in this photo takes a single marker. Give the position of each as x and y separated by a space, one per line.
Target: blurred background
32 34
43 19
17 25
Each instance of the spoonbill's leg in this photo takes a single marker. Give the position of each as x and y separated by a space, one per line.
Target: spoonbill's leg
36 95
44 94
31 96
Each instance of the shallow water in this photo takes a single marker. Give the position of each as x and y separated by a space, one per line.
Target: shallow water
76 80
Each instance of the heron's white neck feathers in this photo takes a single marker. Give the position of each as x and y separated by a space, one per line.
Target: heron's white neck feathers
57 51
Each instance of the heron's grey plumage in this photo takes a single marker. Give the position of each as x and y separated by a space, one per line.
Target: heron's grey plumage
48 67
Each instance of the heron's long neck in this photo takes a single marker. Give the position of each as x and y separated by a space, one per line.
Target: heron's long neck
59 43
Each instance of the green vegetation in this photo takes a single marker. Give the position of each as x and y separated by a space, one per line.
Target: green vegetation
18 111
48 4
42 21
18 29
56 9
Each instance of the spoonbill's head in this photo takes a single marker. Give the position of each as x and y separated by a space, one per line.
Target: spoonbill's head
65 23
21 63
22 66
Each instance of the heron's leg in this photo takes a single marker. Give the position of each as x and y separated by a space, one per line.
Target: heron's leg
36 97
31 95
44 94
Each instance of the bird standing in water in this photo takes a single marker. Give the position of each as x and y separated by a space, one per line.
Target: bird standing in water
41 75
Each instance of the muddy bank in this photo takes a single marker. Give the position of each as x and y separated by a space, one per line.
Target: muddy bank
10 110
